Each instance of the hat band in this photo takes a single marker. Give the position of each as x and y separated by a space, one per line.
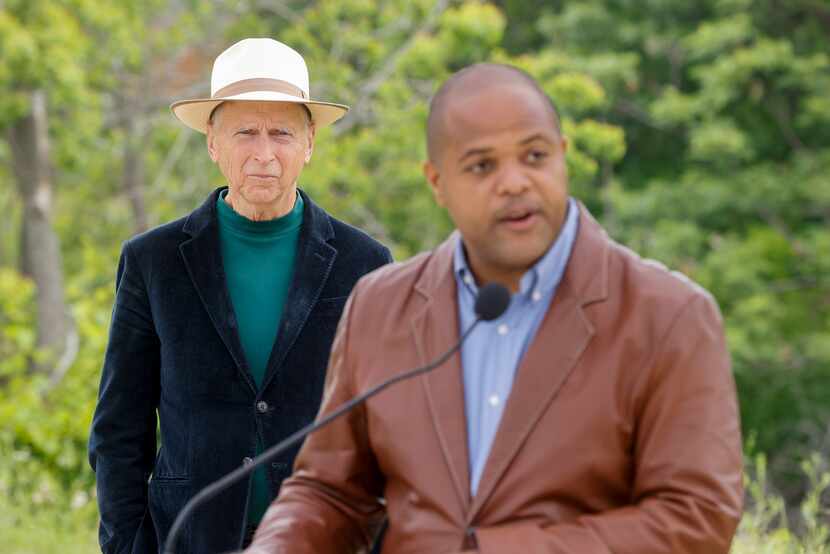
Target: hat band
257 85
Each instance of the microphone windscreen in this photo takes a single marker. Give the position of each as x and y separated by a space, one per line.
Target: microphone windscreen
492 301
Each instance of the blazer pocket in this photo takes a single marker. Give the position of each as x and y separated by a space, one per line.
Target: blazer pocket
341 300
168 495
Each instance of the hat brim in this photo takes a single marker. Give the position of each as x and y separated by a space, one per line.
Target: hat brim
194 113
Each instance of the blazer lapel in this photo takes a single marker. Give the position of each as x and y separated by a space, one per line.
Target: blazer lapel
560 340
203 259
312 265
435 330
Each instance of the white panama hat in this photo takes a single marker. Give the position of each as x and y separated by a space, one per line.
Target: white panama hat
257 70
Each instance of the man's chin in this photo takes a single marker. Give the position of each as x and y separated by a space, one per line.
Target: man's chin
522 258
262 193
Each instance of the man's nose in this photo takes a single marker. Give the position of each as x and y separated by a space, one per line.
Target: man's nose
512 179
264 149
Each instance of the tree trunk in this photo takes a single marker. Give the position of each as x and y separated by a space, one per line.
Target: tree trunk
133 175
133 169
40 257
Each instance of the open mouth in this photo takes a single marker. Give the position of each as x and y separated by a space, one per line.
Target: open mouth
519 219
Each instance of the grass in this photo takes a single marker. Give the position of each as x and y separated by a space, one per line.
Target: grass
69 526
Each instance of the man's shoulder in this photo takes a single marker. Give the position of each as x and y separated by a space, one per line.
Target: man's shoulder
352 240
170 235
651 283
162 237
603 268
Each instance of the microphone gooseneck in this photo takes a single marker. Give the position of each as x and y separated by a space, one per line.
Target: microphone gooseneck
492 301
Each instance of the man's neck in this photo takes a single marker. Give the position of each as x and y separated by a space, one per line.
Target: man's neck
261 212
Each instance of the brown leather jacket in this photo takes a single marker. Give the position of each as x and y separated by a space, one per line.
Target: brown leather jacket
621 434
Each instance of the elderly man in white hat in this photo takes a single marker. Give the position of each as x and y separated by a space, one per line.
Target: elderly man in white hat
223 320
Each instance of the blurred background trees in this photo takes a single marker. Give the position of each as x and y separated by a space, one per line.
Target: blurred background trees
700 134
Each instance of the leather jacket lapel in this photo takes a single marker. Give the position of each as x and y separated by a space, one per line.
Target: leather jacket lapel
559 343
551 357
435 330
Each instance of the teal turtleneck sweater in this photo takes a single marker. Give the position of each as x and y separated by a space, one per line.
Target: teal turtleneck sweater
258 257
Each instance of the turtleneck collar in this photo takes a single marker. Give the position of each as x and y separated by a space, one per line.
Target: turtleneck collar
269 229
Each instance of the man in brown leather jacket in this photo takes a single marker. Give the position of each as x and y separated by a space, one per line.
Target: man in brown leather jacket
597 415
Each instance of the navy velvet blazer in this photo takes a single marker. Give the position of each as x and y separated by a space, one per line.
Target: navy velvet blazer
174 367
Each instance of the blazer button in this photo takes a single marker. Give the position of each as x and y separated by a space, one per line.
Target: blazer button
262 406
470 541
247 460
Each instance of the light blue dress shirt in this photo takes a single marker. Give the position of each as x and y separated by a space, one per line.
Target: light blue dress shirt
491 354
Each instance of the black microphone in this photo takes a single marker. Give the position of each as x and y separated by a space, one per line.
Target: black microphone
491 302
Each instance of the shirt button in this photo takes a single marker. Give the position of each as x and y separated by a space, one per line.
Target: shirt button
470 542
262 406
537 296
468 279
503 329
246 461
493 400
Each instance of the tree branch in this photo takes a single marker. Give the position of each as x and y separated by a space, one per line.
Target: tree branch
172 157
781 113
632 110
675 56
360 110
70 353
278 8
371 224
819 10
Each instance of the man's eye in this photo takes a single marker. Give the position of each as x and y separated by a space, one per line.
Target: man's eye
245 132
282 133
535 156
479 167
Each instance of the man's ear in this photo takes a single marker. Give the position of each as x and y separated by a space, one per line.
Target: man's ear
211 144
565 144
434 179
312 129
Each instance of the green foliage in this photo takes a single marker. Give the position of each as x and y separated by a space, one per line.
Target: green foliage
17 326
46 486
699 135
764 527
725 177
40 43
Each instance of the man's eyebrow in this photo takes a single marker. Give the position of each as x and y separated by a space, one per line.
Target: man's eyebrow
474 152
485 150
536 136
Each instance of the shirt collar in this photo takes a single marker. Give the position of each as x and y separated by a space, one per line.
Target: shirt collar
544 276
